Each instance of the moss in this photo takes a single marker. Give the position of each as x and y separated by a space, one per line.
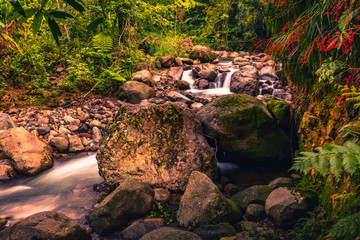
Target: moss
279 108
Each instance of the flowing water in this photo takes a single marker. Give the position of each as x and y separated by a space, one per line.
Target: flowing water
67 187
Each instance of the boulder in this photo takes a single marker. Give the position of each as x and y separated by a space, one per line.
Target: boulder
284 207
281 182
281 111
255 212
246 131
166 233
202 53
159 144
208 74
43 130
186 45
268 71
135 92
75 144
215 232
167 61
7 171
254 194
59 143
144 76
187 61
6 122
183 85
139 228
131 200
245 81
175 73
46 225
203 203
162 194
28 155
203 84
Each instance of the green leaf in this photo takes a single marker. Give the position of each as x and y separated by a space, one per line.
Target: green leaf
17 7
55 30
75 5
31 12
37 22
95 23
60 14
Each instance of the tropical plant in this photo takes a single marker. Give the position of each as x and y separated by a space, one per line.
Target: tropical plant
346 228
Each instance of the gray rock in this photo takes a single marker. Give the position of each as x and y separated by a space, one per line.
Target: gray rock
167 233
203 203
131 200
183 85
231 189
203 84
175 73
269 71
46 225
202 53
245 81
7 171
134 92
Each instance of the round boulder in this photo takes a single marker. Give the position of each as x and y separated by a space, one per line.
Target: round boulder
144 76
135 92
245 81
202 53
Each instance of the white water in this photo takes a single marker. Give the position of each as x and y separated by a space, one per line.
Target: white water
67 188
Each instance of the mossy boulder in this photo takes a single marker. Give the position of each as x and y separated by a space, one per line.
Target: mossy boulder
202 53
203 203
159 144
135 92
281 111
254 194
245 129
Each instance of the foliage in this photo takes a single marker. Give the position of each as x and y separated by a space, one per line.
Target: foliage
102 42
334 160
346 228
162 211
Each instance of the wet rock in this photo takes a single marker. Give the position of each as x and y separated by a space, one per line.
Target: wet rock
166 233
6 122
175 73
208 74
281 182
202 53
149 143
131 200
214 232
255 232
28 155
203 84
186 45
254 194
75 144
267 90
162 194
246 131
196 105
134 91
203 203
144 76
285 207
255 212
167 61
46 225
59 143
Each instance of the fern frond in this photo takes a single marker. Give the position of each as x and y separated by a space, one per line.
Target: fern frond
102 42
350 163
336 166
346 228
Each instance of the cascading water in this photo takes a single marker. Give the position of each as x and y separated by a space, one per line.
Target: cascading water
67 188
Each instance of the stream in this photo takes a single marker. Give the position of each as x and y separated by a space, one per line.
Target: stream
67 187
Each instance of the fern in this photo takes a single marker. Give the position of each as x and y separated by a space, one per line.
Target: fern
102 43
330 159
346 228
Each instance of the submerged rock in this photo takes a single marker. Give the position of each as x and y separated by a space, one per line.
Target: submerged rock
135 91
203 203
131 200
46 225
246 131
166 233
28 155
159 144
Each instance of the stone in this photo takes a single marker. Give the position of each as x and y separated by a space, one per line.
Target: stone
162 194
245 81
196 106
175 73
134 92
75 144
186 45
6 122
255 212
269 71
144 76
167 61
96 134
285 207
257 233
109 104
203 84
182 85
178 97
59 143
178 62
202 53
281 182
246 131
254 194
208 74
43 120
214 232
187 61
166 233
46 225
95 123
43 130
240 61
7 171
73 127
132 199
139 228
231 189
28 155
281 111
159 144
203 203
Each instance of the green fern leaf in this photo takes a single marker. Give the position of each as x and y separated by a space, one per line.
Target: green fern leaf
336 166
346 228
102 42
350 163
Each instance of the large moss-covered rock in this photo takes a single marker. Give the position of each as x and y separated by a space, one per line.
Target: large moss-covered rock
203 203
281 111
246 131
135 92
254 194
27 153
202 53
131 200
159 144
46 226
